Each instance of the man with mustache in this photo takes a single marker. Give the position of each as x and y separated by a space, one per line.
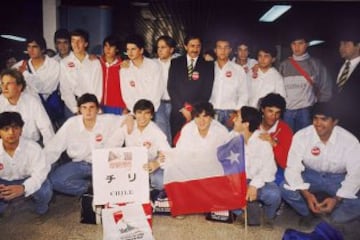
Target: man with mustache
190 81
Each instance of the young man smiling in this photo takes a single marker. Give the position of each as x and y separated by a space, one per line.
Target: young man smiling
147 134
142 79
78 137
265 79
276 131
323 170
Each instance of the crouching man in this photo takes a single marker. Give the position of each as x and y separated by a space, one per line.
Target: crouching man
260 167
23 168
323 170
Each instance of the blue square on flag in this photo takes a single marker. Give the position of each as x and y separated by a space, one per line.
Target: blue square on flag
231 156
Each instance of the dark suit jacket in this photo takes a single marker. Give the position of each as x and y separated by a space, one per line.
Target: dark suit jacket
182 90
347 103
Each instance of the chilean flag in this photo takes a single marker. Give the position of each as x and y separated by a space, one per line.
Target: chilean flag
206 181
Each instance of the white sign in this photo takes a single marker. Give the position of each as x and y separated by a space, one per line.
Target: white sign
119 175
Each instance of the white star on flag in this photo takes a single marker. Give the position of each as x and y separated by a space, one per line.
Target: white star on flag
233 157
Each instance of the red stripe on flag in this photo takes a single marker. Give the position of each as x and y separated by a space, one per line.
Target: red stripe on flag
208 194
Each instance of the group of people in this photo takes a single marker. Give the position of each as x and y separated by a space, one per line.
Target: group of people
195 104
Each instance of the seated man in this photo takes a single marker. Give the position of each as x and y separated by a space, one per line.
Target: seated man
276 131
203 132
146 133
260 164
23 167
78 137
13 98
324 159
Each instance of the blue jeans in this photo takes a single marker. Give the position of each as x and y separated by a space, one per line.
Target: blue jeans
223 117
329 183
270 196
157 179
73 178
41 197
162 119
298 118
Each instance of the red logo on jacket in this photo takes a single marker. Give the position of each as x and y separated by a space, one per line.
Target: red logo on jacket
315 151
1 166
132 83
98 137
71 64
195 76
228 74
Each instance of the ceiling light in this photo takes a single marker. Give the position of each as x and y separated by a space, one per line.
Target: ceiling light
315 42
274 13
12 37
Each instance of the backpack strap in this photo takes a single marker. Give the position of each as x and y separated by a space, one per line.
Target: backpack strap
301 71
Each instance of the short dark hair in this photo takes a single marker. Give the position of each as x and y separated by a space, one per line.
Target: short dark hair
168 40
191 37
273 100
80 33
112 40
40 40
201 107
267 48
325 108
252 116
135 39
144 104
11 119
62 33
15 74
87 97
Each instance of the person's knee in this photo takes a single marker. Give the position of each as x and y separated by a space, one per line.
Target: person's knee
45 192
273 196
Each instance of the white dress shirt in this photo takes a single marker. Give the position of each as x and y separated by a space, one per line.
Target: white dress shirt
190 139
259 161
28 162
165 65
79 142
353 63
77 78
266 82
341 154
151 137
43 80
33 114
143 82
230 90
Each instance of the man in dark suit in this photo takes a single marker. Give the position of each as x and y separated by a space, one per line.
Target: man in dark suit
190 81
347 91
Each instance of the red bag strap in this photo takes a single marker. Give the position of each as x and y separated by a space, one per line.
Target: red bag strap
301 71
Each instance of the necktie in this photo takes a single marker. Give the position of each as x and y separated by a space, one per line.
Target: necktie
190 69
344 76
